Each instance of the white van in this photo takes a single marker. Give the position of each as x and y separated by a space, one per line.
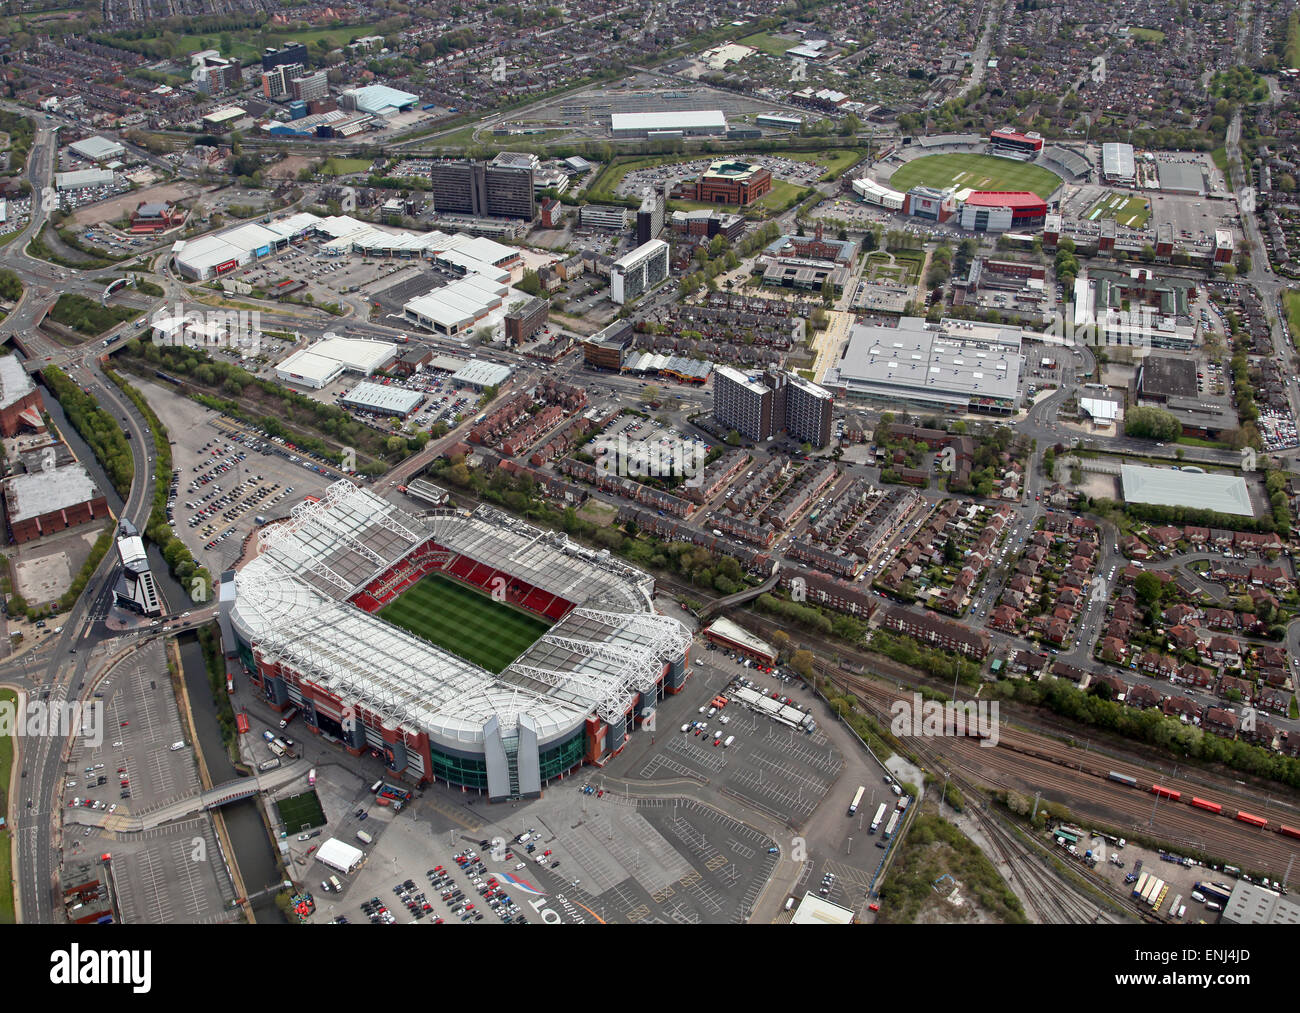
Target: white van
364 837
177 745
789 904
1213 905
1198 896
730 740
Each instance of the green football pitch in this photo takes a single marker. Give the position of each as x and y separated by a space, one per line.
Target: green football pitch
978 172
465 622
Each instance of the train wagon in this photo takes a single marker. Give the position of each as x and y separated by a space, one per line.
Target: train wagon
1254 821
1123 779
1289 831
1212 807
1168 793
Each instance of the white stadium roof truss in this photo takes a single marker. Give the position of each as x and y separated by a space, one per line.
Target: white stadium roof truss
291 604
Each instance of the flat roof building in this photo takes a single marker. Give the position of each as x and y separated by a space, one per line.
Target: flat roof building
381 400
689 122
730 181
480 375
1225 494
20 399
326 360
955 365
1117 165
97 149
83 179
41 502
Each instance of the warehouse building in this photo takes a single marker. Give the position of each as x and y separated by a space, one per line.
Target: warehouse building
955 365
97 149
83 179
381 400
1225 494
328 359
685 123
481 375
21 406
41 502
457 308
378 100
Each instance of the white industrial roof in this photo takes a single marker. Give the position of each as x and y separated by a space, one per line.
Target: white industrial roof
1100 409
1117 160
1225 494
482 374
82 178
734 375
724 627
42 492
96 148
15 383
375 98
377 397
459 303
813 910
683 119
361 355
304 364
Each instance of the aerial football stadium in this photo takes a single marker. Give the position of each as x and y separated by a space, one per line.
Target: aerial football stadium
398 633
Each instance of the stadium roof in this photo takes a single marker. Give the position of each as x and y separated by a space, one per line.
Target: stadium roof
379 398
1225 494
43 492
683 119
1006 199
291 605
97 148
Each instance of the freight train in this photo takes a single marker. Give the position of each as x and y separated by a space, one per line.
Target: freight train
1200 803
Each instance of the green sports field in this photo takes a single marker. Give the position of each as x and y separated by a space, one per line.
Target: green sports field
979 172
464 621
1128 210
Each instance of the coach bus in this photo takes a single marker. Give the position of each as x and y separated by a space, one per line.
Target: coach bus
853 806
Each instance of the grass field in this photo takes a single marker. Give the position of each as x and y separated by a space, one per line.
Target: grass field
465 622
768 44
979 172
345 166
1129 211
1147 34
299 811
1291 300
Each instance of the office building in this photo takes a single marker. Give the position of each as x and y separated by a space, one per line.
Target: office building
290 52
524 321
650 216
310 87
502 188
602 216
639 271
728 181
